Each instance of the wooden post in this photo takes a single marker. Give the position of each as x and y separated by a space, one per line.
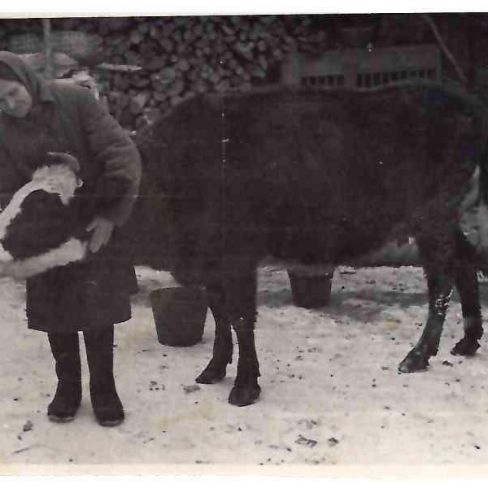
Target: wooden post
48 49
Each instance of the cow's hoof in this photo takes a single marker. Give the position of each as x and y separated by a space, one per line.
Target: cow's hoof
244 395
211 374
414 362
465 347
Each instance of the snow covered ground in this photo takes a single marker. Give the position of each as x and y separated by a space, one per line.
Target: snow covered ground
331 394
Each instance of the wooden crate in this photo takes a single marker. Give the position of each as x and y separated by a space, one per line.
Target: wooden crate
362 68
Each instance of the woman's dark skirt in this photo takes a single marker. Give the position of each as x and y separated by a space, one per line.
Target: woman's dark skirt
82 296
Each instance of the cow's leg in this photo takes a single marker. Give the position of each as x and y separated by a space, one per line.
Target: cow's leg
437 258
466 281
222 349
246 389
241 285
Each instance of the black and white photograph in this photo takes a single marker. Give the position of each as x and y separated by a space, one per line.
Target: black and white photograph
237 242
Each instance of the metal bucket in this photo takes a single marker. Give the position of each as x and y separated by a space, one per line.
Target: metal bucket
310 290
179 315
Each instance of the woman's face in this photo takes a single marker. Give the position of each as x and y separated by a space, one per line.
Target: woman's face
15 100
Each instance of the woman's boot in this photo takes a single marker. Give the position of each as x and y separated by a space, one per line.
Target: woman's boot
66 352
106 403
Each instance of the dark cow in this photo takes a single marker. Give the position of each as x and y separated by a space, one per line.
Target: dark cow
317 177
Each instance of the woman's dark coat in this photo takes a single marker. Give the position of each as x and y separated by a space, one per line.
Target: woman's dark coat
68 118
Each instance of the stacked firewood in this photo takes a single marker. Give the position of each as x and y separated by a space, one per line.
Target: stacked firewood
184 56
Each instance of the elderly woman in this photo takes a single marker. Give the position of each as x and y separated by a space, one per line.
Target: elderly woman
38 117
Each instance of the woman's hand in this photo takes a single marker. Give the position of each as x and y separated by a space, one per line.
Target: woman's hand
102 231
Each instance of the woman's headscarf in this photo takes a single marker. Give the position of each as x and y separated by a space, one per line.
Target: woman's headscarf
34 85
36 133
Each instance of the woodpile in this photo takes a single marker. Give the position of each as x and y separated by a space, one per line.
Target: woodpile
184 56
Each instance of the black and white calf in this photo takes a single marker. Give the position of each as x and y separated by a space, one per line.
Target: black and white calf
38 226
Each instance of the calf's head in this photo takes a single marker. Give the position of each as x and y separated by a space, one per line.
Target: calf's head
37 227
59 176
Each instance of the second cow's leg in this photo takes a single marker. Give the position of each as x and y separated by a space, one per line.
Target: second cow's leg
222 349
417 359
438 258
466 280
246 389
240 289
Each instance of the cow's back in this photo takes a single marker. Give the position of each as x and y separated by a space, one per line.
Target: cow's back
327 174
